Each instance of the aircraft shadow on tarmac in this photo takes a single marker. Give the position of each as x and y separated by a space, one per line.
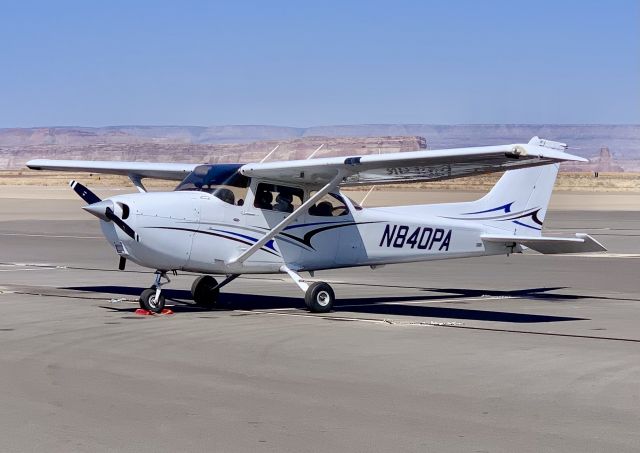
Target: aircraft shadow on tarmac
383 305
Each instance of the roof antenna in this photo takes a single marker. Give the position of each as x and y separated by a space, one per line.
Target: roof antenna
270 153
314 153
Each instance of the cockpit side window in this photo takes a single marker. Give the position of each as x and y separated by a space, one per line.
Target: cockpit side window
331 205
222 181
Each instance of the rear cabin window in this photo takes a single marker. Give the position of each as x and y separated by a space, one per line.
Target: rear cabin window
272 197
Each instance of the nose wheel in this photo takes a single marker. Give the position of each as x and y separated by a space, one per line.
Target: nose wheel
152 298
151 302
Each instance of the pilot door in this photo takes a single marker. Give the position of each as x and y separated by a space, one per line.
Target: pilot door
270 205
221 235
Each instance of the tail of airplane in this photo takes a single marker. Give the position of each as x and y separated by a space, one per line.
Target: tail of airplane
513 211
518 202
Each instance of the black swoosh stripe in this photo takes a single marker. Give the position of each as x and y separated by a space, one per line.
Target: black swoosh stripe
306 240
533 215
218 235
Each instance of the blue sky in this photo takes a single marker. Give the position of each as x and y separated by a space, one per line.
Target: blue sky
318 63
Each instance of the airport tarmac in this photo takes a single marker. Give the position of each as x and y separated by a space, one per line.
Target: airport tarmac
497 354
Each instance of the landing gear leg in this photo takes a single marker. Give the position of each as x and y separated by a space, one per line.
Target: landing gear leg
152 299
318 296
206 289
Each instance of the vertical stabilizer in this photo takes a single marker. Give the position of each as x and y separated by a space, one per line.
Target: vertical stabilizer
518 202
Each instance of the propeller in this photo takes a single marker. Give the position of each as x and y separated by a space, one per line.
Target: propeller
101 209
84 193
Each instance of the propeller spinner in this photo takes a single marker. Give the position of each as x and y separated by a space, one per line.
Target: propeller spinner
103 209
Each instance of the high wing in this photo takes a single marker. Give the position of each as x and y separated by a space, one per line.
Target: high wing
431 165
170 171
390 168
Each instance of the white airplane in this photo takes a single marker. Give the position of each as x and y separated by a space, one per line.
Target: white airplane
289 217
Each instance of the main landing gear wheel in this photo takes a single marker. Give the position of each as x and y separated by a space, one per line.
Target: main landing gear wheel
149 301
319 298
205 291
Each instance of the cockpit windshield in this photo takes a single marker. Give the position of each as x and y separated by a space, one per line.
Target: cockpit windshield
221 180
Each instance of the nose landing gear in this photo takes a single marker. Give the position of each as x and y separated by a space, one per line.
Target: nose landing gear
152 298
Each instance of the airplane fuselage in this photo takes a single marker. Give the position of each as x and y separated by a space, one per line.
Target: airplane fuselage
198 232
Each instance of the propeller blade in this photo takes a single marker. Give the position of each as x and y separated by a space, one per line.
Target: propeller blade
84 193
121 223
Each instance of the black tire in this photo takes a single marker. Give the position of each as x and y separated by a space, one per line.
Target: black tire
319 298
148 301
204 291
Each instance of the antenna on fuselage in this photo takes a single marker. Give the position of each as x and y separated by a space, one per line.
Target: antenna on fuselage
270 153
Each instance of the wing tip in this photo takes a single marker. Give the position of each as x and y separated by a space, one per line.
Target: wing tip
33 164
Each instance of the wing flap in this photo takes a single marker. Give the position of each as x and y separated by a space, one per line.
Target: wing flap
169 171
581 243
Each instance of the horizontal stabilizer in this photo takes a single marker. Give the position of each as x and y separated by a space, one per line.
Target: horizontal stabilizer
581 243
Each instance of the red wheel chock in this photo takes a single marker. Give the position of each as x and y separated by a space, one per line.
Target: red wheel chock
143 312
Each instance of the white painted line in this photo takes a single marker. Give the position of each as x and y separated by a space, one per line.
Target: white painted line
28 269
316 315
47 265
585 229
365 320
50 236
601 255
434 301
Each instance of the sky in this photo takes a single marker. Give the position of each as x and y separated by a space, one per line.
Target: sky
308 63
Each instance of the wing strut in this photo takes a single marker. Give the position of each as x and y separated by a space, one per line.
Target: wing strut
137 181
290 218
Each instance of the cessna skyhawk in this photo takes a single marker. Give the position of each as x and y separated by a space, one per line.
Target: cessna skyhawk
290 217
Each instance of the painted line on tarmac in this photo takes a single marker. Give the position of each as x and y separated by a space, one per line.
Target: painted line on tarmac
28 269
601 255
425 301
451 325
549 334
50 236
315 316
